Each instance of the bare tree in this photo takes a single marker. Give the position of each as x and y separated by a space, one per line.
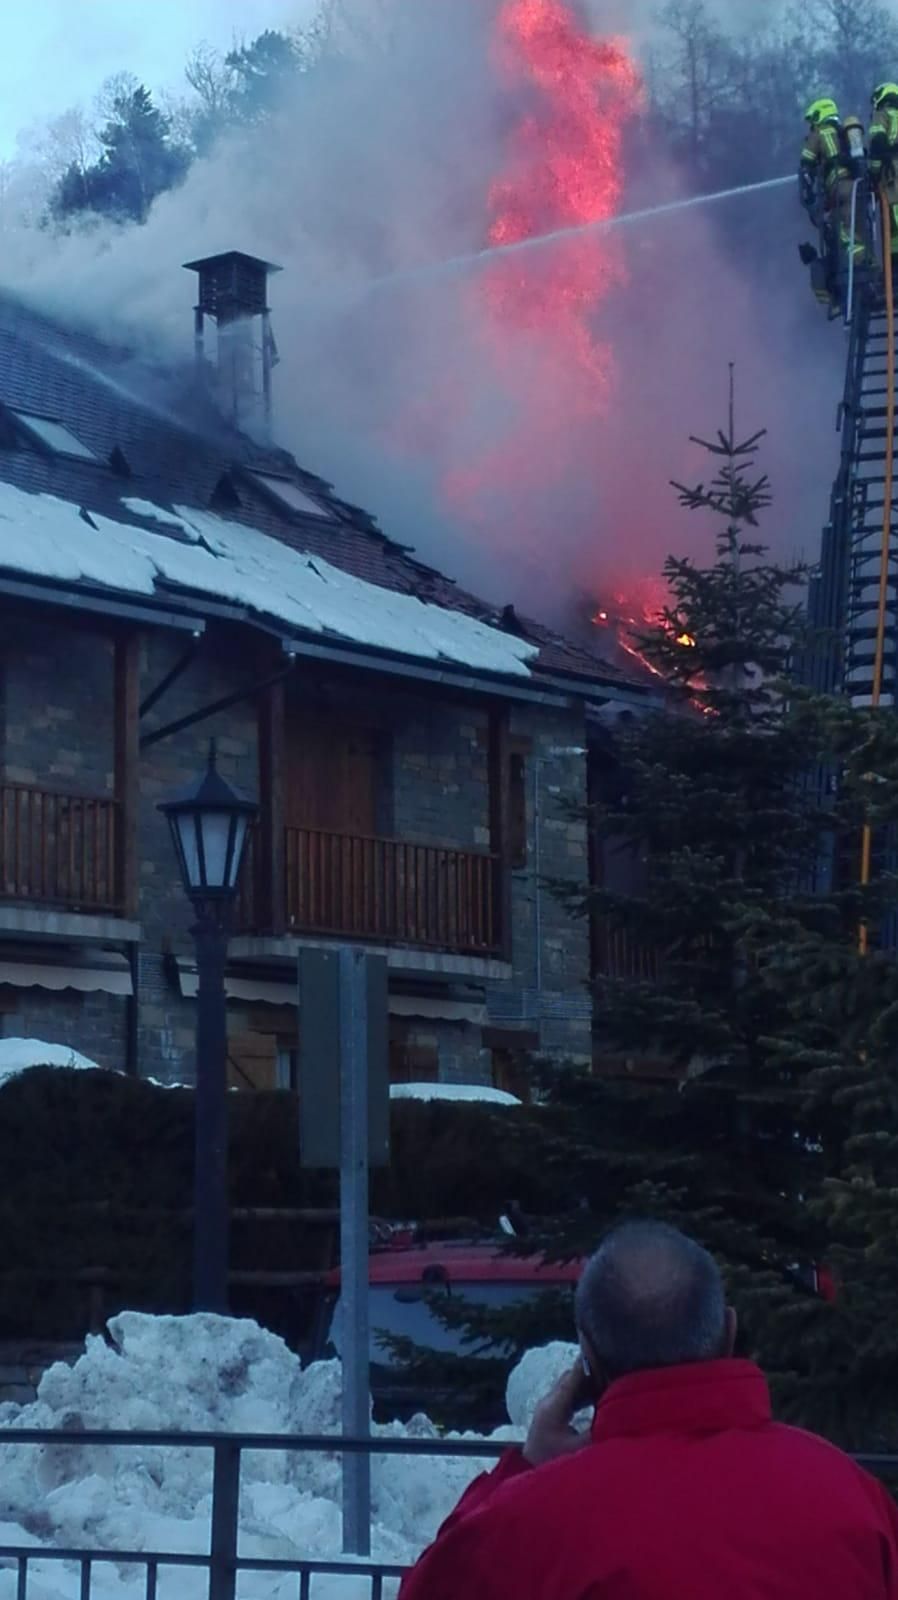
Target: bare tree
853 45
696 76
113 90
210 78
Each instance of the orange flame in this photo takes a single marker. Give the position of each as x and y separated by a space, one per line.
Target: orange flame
640 609
564 169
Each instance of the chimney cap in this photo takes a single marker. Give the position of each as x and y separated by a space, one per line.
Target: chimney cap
232 286
226 257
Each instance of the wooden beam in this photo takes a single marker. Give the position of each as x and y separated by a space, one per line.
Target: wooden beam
272 821
126 669
499 770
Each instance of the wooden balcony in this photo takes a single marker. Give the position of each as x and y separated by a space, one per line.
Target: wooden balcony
60 850
380 890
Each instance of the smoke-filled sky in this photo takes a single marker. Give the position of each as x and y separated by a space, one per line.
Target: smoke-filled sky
519 437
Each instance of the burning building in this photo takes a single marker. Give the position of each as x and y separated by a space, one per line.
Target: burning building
165 579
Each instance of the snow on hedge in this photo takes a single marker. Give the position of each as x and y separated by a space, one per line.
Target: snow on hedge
46 537
453 1091
17 1055
206 1373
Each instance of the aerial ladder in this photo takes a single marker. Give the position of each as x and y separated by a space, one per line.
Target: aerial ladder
854 595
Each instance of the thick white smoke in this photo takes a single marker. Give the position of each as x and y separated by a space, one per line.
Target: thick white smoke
381 164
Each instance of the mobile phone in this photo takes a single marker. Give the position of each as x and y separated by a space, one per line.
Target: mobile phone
592 1384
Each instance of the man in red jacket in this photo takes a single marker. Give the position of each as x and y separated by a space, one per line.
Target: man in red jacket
685 1489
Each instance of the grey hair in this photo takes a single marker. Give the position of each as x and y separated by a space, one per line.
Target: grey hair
651 1297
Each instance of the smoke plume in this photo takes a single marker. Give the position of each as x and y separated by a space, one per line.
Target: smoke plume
403 386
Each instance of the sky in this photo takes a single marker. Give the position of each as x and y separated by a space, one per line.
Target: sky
64 49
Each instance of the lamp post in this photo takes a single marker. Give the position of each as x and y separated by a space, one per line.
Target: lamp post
209 825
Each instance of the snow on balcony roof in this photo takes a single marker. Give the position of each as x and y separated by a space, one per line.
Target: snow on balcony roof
45 537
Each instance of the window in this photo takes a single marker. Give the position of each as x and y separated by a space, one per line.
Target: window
288 493
54 436
411 1312
287 1068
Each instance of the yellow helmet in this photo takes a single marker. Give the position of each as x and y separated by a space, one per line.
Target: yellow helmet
884 92
821 111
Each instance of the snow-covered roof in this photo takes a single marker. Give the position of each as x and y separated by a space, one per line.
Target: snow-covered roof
207 555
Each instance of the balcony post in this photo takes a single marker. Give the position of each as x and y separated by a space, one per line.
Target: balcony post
126 668
272 867
499 772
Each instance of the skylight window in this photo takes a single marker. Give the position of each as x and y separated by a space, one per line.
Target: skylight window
288 493
54 435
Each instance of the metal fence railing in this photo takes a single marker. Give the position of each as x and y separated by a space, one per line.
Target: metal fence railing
223 1563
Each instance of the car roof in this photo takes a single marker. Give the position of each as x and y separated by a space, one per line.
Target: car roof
464 1262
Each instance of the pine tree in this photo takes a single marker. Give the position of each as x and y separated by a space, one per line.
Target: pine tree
709 1113
736 968
139 161
261 72
842 1034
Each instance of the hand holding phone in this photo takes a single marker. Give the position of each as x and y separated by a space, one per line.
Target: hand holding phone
552 1433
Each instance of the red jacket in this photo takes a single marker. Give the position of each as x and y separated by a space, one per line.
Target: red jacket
689 1491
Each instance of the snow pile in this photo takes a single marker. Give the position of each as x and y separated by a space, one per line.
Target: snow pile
212 1374
50 538
453 1091
17 1055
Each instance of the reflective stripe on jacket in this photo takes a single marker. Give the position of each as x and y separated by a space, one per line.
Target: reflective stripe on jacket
883 143
823 152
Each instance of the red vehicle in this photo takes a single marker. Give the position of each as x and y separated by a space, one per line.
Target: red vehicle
448 1322
450 1319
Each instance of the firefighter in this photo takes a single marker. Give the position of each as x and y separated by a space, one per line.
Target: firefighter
884 149
831 161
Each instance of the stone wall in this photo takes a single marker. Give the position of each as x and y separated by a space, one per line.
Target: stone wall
93 1024
440 779
57 694
551 946
223 665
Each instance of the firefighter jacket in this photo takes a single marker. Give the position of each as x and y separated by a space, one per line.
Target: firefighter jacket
883 142
823 158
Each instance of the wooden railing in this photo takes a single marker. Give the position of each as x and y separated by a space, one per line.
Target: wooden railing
59 850
616 954
382 890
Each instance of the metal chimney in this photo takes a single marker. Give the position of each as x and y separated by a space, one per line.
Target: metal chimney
233 291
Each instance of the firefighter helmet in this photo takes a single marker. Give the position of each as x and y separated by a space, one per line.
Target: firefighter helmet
883 93
820 111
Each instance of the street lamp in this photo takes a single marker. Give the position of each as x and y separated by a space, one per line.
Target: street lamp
209 825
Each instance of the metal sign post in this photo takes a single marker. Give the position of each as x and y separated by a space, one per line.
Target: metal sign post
354 1247
344 1121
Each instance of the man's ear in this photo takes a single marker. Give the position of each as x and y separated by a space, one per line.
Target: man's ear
730 1331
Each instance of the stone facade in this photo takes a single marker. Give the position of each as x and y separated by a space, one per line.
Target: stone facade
57 732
